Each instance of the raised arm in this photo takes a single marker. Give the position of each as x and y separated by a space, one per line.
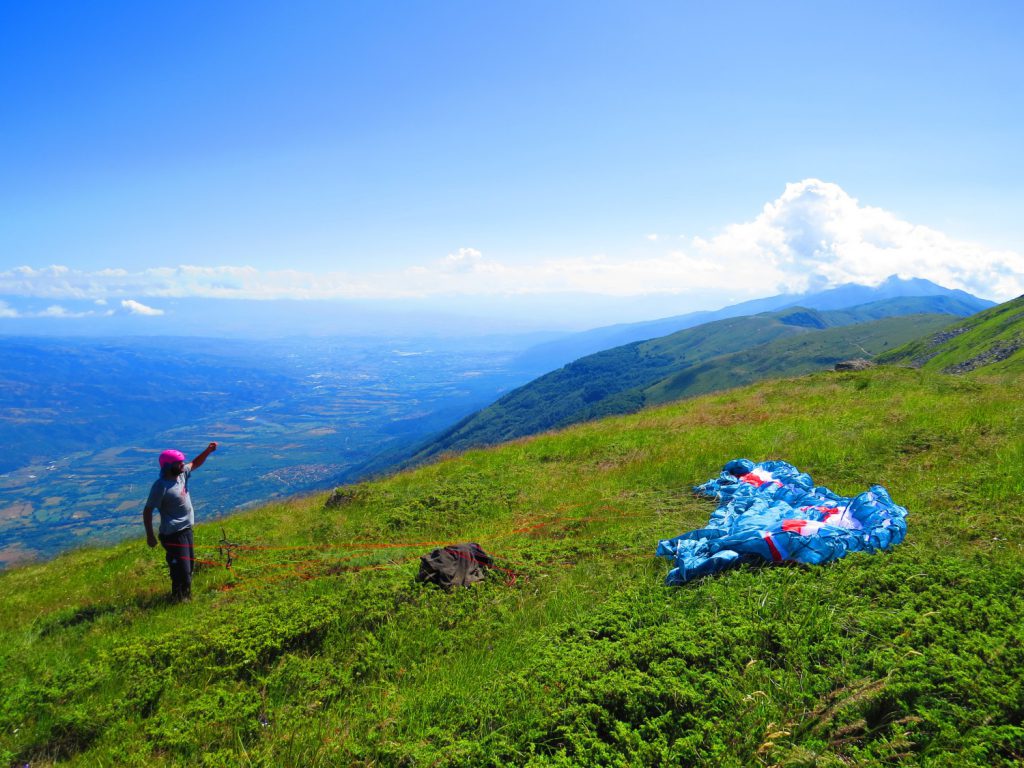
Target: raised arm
197 462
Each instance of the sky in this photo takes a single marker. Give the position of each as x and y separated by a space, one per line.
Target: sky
475 155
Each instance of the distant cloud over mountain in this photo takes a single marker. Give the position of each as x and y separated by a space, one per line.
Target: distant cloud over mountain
137 308
816 236
812 237
54 311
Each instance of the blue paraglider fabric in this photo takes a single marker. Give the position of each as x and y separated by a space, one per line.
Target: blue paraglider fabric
772 512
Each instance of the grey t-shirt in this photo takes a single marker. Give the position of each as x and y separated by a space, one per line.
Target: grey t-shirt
171 498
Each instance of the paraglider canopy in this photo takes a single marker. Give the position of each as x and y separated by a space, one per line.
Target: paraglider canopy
772 512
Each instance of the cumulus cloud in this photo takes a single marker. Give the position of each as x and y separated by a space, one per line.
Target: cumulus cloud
813 236
137 308
466 260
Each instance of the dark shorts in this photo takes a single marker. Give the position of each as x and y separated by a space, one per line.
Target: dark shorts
180 555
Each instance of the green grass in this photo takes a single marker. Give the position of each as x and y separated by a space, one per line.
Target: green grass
695 361
791 356
319 649
993 339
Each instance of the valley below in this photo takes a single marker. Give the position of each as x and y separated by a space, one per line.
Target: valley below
289 417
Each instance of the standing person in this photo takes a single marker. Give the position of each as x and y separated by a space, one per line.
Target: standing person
169 496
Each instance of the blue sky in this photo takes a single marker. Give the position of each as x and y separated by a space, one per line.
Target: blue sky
450 149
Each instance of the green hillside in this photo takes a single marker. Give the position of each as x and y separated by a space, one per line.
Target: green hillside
561 397
790 356
992 339
710 357
892 297
907 305
319 649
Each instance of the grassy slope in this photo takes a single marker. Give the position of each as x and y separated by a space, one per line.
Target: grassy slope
558 399
908 305
710 357
787 357
1001 327
934 299
321 650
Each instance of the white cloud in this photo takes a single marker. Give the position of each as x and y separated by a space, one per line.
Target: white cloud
466 260
54 311
59 312
137 308
813 236
816 235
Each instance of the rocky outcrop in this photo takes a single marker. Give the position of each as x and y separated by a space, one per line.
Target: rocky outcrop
994 354
937 340
340 497
859 364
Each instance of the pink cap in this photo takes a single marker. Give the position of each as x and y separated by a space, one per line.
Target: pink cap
171 457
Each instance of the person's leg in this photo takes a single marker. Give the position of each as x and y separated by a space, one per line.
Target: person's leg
179 554
188 556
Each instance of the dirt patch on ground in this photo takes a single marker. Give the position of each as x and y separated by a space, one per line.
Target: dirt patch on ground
610 463
759 408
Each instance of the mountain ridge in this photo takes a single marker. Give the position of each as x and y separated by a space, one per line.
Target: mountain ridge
615 381
558 352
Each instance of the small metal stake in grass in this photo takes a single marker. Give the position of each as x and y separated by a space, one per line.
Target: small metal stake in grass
226 549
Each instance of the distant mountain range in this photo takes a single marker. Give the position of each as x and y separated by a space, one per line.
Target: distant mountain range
737 349
558 352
